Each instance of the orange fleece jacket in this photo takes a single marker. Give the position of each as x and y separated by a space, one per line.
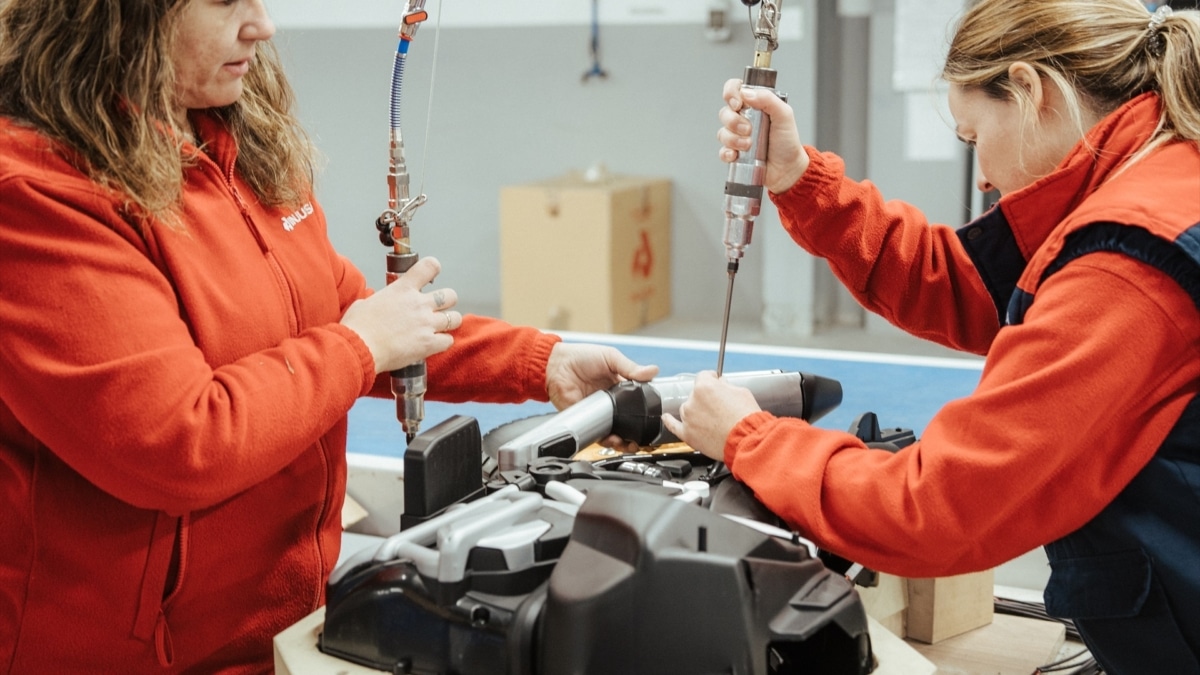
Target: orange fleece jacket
1072 402
173 416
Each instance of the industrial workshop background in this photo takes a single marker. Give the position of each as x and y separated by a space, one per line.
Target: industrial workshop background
510 105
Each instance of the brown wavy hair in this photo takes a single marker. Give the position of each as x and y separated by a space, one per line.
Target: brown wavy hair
1099 53
96 76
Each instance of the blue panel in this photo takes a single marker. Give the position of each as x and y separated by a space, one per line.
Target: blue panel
902 391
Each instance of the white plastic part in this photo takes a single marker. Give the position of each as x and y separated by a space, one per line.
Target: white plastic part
773 531
559 490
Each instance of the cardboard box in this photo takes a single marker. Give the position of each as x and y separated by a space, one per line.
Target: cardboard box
586 255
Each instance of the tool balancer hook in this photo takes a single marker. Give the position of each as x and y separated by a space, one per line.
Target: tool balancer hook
594 45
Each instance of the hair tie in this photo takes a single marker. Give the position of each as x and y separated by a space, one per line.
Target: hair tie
1155 43
1159 17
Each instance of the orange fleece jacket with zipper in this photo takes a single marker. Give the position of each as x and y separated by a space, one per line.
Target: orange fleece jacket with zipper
173 410
1071 404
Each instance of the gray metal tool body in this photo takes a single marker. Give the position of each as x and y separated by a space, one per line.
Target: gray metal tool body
634 410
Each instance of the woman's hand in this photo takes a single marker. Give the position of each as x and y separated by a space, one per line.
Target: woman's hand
787 159
400 324
577 370
710 413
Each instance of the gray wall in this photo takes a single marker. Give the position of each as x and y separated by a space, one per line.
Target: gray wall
938 188
841 126
509 107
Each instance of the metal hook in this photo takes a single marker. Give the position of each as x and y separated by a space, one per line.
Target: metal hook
594 48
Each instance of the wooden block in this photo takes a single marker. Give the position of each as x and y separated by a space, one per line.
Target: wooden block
895 623
1009 645
947 606
887 602
352 512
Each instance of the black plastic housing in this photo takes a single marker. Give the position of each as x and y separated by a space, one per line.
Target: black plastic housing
635 582
654 586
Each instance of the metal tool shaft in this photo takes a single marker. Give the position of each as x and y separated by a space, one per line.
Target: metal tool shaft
747 173
733 265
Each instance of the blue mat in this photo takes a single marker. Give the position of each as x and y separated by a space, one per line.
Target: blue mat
902 391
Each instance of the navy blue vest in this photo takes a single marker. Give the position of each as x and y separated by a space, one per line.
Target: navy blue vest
1129 578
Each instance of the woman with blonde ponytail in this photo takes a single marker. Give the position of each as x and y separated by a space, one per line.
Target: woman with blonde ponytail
1081 286
180 344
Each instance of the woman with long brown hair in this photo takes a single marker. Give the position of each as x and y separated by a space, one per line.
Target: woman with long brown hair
181 343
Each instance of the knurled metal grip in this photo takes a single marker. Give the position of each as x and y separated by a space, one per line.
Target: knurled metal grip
747 173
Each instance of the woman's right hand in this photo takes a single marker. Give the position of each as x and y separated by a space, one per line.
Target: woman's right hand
786 158
400 324
710 413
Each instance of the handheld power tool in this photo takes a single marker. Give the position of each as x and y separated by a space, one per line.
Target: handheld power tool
744 186
408 383
634 410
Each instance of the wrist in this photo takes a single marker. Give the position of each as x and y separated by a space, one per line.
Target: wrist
791 174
